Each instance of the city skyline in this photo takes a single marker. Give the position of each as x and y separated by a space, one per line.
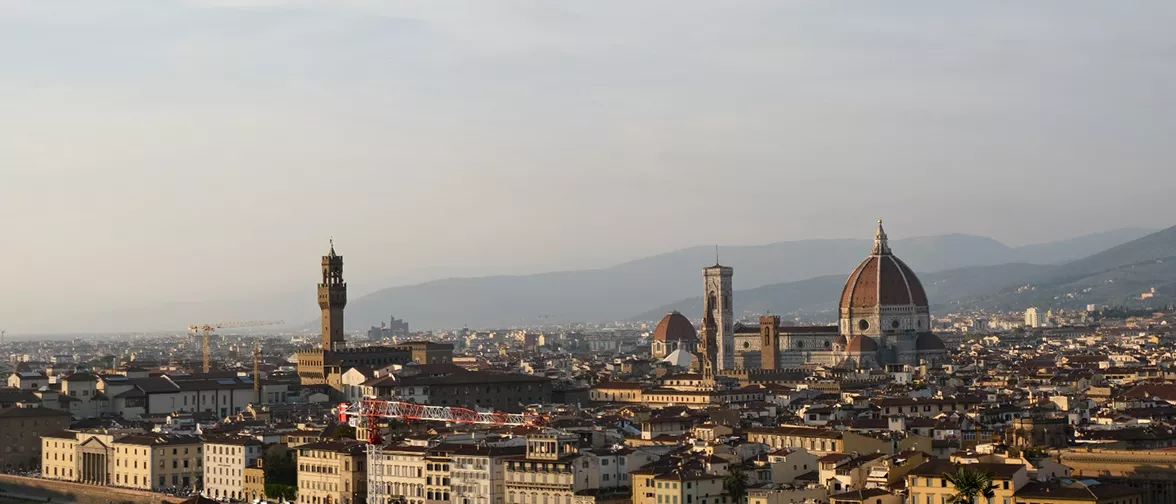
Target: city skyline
150 140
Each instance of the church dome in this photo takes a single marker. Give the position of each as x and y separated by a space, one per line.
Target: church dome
929 341
883 295
675 327
862 344
882 280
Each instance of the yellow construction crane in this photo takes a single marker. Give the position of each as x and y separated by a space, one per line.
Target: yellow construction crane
208 328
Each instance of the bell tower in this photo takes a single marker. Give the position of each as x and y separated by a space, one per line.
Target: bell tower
332 298
770 348
717 282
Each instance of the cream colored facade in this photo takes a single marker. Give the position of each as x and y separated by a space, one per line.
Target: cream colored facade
551 472
225 461
157 463
332 472
688 487
137 461
398 473
926 484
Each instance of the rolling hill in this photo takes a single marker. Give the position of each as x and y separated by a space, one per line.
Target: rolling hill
1117 276
619 292
816 299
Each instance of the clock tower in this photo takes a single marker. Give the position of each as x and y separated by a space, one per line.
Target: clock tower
332 298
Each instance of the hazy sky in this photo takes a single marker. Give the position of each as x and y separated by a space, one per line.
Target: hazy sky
156 150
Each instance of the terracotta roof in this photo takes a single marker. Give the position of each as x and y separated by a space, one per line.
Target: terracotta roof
17 412
882 279
675 327
861 344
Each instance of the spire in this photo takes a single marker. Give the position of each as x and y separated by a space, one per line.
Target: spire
716 255
332 253
880 246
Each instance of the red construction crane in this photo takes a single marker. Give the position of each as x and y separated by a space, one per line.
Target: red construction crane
366 412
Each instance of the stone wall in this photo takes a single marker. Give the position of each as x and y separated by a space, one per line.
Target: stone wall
67 492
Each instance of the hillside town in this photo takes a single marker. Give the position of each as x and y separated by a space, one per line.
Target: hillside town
891 404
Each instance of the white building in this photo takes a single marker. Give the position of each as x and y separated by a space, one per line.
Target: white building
1032 319
225 460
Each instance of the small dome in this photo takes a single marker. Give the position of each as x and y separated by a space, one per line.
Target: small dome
680 358
929 341
675 327
862 344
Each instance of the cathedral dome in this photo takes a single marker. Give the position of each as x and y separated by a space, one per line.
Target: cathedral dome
675 327
929 341
882 279
862 344
883 294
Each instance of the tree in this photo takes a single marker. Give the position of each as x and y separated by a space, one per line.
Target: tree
343 432
279 465
969 484
735 483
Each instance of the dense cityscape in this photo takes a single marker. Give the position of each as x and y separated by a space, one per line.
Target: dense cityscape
891 404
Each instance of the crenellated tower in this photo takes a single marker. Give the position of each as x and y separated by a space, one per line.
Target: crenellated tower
332 298
770 347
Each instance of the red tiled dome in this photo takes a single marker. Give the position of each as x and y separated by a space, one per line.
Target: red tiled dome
675 327
862 344
882 280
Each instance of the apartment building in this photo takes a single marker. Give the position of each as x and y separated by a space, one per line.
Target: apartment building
255 481
225 463
85 401
478 472
551 472
686 486
437 477
157 462
332 472
20 435
927 485
398 473
818 441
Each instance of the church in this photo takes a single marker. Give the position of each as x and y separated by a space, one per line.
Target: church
883 319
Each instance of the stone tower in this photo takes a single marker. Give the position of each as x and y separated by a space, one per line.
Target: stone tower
707 345
332 298
719 300
770 346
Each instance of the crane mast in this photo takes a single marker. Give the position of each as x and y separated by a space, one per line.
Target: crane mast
208 328
368 412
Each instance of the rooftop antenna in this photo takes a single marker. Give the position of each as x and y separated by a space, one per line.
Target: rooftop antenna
716 254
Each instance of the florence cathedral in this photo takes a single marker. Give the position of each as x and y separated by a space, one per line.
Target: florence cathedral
883 318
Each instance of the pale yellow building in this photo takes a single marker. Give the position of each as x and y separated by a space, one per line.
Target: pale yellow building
332 472
157 462
926 484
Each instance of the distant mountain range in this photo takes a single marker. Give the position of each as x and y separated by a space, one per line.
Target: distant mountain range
802 277
1117 276
791 276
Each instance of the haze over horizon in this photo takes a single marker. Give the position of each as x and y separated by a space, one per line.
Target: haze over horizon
207 149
